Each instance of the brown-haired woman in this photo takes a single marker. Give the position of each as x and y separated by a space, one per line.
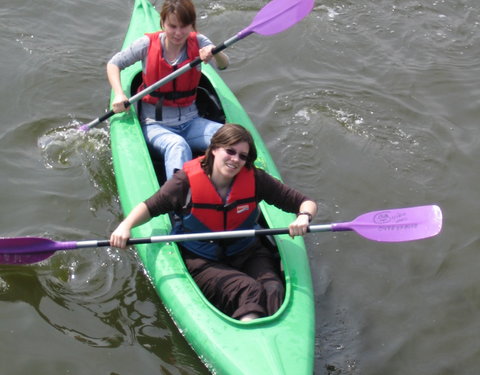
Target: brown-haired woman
221 191
169 116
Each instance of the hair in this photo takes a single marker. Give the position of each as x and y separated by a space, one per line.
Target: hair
229 135
184 10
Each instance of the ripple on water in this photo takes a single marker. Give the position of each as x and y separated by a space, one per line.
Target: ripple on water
90 295
374 123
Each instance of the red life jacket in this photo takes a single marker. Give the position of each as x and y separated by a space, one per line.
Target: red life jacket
240 209
182 91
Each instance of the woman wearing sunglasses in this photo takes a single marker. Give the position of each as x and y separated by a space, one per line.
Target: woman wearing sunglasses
220 191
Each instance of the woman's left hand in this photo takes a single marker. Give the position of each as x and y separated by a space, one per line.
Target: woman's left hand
299 226
205 53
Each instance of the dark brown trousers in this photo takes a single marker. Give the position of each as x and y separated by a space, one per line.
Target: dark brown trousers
245 283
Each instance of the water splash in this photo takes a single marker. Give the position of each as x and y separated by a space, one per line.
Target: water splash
68 147
331 12
3 286
21 40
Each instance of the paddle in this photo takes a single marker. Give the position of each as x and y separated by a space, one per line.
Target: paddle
273 18
395 225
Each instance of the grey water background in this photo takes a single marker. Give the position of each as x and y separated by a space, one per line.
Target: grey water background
364 105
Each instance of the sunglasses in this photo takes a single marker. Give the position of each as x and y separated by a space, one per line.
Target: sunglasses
232 152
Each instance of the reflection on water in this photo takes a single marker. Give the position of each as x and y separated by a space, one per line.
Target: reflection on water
101 299
87 287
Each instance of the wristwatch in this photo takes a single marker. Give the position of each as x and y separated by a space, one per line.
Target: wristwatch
306 213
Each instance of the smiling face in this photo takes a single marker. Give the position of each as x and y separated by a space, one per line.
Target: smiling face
229 161
176 32
231 143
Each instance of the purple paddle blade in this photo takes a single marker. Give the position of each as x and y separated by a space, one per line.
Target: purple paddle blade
277 16
84 127
24 250
25 258
396 225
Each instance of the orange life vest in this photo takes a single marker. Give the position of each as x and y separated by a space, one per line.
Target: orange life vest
210 213
180 92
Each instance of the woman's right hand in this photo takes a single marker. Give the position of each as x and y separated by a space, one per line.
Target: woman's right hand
120 236
122 233
118 104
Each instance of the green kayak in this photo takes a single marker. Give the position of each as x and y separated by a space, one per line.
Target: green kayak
279 344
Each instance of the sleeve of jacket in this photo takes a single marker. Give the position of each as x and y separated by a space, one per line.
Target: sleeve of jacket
171 196
275 192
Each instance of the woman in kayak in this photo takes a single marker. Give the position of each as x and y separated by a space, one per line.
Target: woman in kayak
169 116
221 191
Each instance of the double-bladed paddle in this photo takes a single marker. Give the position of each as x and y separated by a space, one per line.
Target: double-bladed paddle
273 18
395 225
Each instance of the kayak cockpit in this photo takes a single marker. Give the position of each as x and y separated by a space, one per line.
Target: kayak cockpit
208 105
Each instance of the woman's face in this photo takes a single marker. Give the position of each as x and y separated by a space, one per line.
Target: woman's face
229 160
175 31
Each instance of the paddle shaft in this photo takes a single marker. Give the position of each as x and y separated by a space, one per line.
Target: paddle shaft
135 98
335 227
203 236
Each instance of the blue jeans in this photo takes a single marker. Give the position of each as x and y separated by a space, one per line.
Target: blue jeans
177 143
